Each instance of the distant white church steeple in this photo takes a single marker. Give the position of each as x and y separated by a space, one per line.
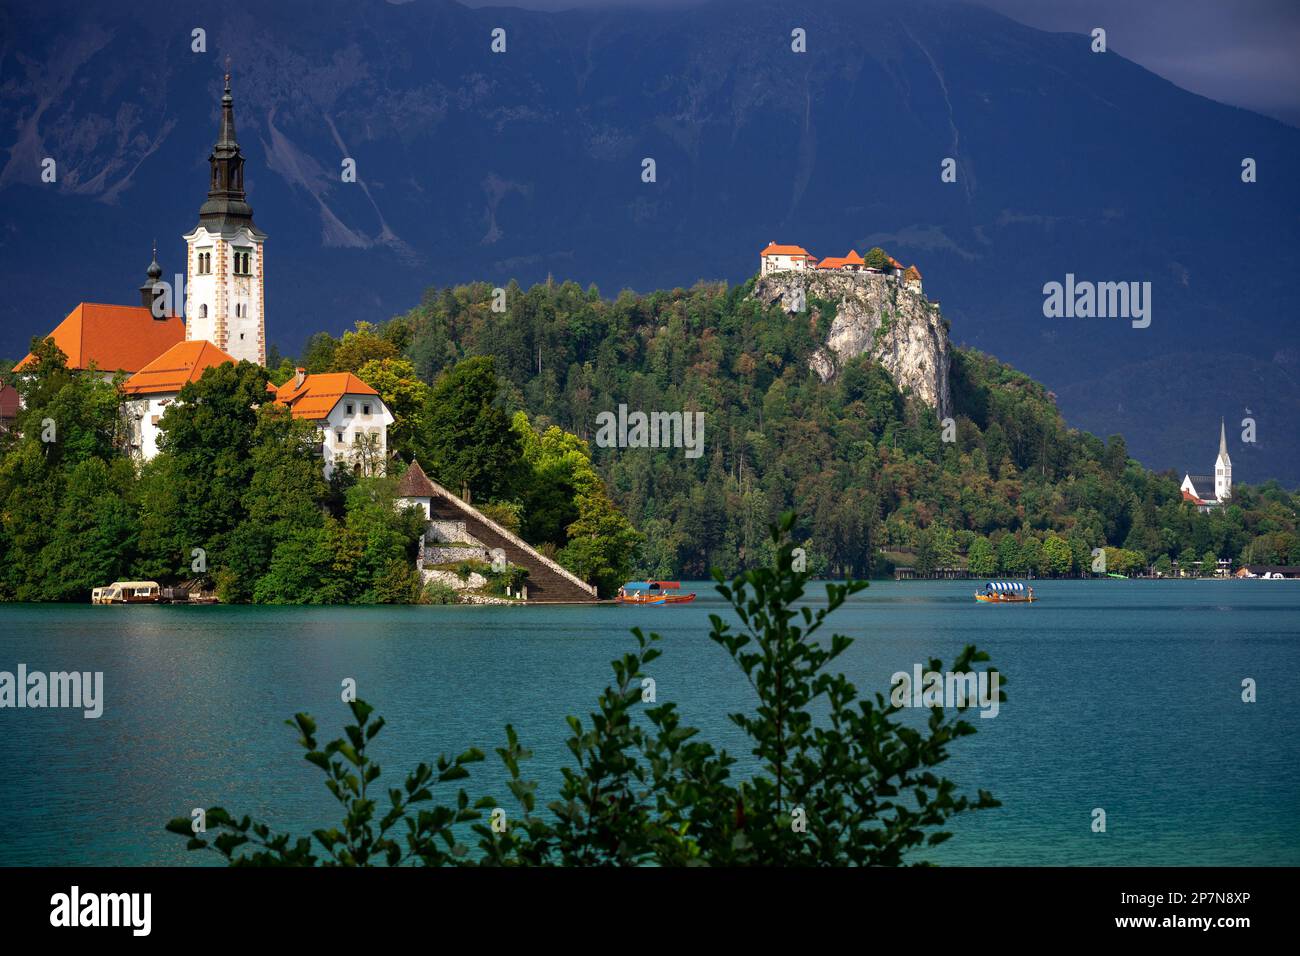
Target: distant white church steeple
1223 467
1196 488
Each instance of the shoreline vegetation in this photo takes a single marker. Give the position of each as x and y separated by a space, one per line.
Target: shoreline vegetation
502 406
853 787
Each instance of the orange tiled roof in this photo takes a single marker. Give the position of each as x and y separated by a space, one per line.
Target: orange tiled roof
183 362
114 337
774 250
912 271
316 397
838 262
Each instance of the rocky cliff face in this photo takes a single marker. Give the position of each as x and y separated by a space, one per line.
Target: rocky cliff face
875 316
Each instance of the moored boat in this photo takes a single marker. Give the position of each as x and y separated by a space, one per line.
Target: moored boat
127 592
653 593
1005 592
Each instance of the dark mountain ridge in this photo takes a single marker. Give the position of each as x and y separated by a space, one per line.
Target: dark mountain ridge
518 165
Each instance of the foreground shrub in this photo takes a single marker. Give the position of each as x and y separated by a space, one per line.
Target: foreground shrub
856 787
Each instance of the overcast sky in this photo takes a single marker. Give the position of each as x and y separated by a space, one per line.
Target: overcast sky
1243 52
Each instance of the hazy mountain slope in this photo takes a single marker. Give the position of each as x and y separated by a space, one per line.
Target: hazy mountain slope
474 165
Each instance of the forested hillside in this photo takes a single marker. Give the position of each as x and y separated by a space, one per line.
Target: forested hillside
502 407
865 466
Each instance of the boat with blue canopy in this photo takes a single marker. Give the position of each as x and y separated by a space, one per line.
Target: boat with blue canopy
653 593
1005 592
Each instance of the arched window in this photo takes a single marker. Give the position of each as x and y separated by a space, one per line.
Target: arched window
203 311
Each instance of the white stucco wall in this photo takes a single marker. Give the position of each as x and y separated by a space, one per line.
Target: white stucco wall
340 427
1223 478
783 264
143 414
421 503
221 291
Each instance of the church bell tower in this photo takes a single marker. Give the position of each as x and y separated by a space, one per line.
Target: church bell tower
225 301
1223 468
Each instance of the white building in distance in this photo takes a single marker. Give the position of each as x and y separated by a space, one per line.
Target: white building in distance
1197 488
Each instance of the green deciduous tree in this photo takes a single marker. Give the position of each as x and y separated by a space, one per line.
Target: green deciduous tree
467 439
1057 560
602 546
360 346
404 394
1010 558
207 439
876 258
981 559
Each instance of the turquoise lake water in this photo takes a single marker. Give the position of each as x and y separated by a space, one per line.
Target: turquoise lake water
1124 695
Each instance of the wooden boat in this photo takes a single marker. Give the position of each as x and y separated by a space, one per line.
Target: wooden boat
127 592
656 593
1005 592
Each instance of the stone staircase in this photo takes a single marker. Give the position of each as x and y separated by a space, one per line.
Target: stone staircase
547 583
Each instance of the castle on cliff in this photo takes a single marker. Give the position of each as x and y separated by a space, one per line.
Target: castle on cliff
782 258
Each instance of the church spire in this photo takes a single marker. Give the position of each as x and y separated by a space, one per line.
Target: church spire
227 137
152 275
1223 467
227 207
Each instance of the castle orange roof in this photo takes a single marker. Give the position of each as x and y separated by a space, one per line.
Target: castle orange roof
113 337
912 271
316 397
183 362
838 262
775 250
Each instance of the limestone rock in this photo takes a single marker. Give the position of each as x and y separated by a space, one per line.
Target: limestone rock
875 315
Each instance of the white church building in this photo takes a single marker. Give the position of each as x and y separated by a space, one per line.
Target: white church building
1211 491
225 321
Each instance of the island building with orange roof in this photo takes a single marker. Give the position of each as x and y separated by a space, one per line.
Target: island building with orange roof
112 338
225 321
352 418
149 391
